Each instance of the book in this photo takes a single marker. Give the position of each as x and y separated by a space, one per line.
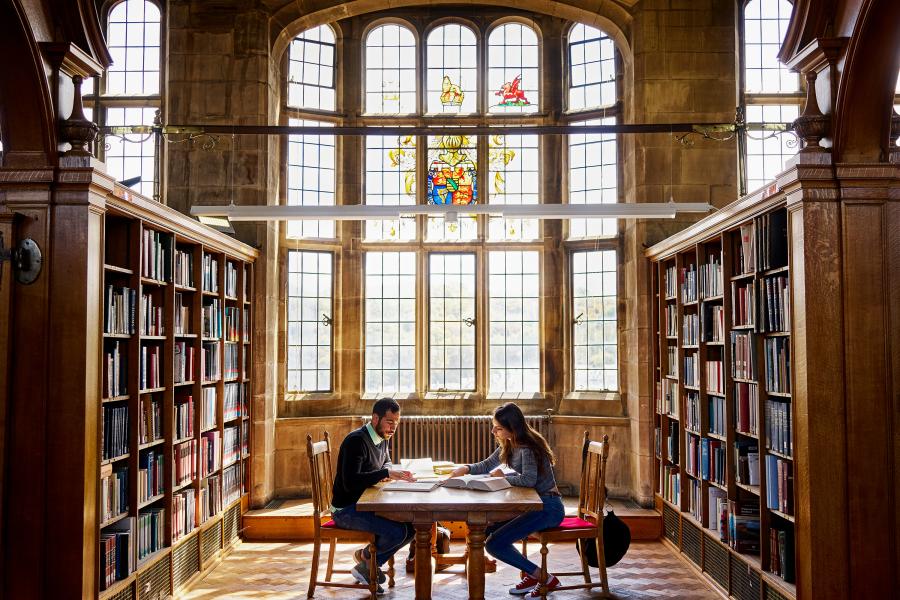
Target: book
478 482
411 486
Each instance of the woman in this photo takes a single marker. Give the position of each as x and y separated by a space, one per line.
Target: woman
529 455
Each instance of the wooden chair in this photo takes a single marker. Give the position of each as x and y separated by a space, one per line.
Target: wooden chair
320 471
588 523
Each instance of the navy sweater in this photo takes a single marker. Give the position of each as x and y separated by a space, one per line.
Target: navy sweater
360 464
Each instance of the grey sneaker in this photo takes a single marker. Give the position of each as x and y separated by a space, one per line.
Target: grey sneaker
361 573
360 557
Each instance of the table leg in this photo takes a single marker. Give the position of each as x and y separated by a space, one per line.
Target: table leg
475 569
423 560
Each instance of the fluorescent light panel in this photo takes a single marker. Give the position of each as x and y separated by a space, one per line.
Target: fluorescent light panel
363 212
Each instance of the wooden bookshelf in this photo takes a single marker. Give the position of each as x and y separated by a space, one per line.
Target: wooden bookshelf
175 295
724 414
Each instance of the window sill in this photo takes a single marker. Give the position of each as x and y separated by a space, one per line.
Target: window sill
398 396
509 396
308 396
608 396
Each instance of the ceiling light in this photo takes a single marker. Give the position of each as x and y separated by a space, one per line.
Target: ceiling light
367 212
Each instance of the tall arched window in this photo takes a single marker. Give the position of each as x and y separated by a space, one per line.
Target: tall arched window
311 70
452 70
592 68
130 91
513 73
593 178
390 70
771 91
454 305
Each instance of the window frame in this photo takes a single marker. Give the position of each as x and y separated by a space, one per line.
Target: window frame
100 102
351 235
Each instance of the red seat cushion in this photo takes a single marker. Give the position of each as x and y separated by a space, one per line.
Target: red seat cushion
329 524
572 523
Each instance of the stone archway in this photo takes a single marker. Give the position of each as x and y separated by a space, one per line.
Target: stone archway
26 109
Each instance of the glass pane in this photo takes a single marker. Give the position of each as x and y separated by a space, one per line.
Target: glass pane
513 178
452 70
594 331
390 332
390 70
514 337
765 23
136 157
309 339
452 180
592 68
451 295
311 69
133 37
593 178
513 70
310 178
767 154
391 180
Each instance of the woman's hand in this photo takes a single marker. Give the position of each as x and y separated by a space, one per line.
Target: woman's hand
401 475
459 471
498 472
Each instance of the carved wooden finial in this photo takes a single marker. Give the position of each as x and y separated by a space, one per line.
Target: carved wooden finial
77 130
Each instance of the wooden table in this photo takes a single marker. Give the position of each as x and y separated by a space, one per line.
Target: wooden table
477 509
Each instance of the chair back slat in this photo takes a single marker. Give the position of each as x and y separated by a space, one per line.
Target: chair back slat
592 497
321 474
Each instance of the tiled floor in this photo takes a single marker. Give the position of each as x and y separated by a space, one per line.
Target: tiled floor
280 571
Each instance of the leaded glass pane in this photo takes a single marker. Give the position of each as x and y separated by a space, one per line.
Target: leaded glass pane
452 180
311 69
513 178
391 180
310 179
390 70
767 154
514 329
592 68
135 157
309 333
390 322
452 70
513 73
451 295
765 23
593 178
133 41
594 328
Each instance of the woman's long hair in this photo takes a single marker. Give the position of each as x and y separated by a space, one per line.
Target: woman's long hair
510 417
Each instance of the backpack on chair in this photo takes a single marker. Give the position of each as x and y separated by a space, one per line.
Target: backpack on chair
616 540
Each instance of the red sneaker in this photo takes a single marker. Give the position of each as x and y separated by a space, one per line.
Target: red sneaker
553 582
524 586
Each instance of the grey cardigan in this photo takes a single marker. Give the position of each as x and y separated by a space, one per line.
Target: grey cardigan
524 463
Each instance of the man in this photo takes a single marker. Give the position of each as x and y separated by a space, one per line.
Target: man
364 460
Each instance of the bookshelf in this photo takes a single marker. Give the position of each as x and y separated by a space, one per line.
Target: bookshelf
723 407
174 410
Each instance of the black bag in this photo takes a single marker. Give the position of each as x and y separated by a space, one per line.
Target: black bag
616 539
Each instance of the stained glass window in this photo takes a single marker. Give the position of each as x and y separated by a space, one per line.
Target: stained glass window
309 333
452 180
390 70
310 177
451 315
391 180
592 68
513 74
452 70
390 290
311 69
593 178
514 332
513 178
595 347
133 41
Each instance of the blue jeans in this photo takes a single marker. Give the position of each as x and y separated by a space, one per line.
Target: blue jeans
390 536
502 536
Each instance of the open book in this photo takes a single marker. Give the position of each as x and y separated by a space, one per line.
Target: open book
478 482
411 486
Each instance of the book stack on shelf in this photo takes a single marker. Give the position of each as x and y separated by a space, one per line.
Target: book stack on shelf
722 379
174 294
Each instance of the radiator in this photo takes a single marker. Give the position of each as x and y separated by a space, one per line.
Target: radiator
454 438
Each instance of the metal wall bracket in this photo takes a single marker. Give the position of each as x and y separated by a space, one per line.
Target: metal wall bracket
26 260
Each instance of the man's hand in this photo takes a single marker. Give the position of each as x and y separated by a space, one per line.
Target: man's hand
498 472
401 475
459 471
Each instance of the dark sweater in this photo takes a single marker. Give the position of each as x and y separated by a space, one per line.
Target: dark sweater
361 464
